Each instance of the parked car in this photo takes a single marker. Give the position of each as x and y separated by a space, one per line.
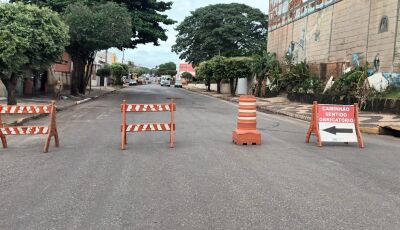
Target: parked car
132 82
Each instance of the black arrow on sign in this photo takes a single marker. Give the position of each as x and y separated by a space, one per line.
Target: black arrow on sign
335 130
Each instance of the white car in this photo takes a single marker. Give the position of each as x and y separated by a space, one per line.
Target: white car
132 82
178 82
165 80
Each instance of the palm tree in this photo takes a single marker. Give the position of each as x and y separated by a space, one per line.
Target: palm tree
263 66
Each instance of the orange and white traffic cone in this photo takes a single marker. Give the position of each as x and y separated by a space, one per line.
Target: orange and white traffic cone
246 132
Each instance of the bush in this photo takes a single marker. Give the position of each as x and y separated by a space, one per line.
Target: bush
350 84
118 70
104 72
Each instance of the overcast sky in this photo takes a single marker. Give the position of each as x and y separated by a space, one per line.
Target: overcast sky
151 56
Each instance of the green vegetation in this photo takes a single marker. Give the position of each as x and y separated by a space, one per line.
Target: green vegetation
31 38
168 68
221 68
205 71
146 17
187 75
392 94
98 25
104 72
139 71
119 70
239 67
92 29
229 30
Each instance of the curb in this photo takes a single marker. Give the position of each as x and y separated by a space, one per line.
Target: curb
21 121
367 130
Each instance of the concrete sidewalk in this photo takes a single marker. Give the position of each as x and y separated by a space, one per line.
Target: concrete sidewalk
64 103
371 123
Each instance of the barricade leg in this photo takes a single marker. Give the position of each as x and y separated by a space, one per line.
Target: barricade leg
52 133
358 131
123 127
171 135
4 141
52 130
2 136
123 141
310 131
314 126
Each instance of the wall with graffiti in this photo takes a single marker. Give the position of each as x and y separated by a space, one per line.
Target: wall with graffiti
333 31
283 12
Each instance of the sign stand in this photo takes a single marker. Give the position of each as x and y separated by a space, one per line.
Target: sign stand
335 123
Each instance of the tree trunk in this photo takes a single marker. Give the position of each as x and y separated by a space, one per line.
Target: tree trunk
219 86
89 71
259 87
236 84
208 84
232 86
77 76
263 88
11 85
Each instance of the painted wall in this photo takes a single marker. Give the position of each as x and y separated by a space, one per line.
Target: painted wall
337 31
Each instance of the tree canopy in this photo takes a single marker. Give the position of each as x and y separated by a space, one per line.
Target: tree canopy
30 38
187 75
104 72
92 29
139 71
228 30
168 68
118 70
146 17
205 71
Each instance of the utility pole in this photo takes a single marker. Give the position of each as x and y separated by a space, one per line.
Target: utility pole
106 56
123 55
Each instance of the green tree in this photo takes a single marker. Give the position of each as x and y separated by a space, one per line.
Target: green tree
92 29
30 38
263 66
238 67
230 30
168 68
104 72
147 17
119 70
187 76
139 71
205 71
219 69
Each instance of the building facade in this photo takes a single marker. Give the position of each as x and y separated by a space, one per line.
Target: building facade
185 67
330 34
62 70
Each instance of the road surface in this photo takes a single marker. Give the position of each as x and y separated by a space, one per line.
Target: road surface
206 182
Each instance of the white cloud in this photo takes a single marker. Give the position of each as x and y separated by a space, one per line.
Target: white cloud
150 55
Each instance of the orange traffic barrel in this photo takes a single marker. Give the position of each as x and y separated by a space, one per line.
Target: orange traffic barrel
246 132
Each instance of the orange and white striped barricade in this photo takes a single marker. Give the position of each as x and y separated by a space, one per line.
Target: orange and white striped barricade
246 132
50 130
335 123
147 127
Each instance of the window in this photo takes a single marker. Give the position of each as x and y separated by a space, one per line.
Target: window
384 25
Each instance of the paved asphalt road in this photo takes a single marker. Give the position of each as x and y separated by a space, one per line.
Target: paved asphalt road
206 182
